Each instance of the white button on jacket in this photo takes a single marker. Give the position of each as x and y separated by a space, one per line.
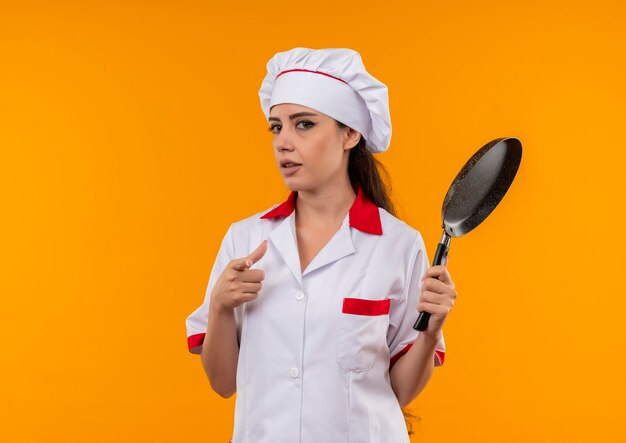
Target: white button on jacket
316 346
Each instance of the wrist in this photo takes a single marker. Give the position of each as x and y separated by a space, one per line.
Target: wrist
430 338
218 308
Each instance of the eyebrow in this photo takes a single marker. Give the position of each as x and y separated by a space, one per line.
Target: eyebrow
292 116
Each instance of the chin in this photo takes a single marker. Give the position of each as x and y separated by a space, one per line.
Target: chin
292 186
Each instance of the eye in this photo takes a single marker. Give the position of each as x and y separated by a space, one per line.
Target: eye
308 125
272 127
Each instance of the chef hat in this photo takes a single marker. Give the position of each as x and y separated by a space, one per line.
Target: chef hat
332 81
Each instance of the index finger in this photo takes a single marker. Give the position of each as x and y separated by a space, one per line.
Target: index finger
240 264
435 272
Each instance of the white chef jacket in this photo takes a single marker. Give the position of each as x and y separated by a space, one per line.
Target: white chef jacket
316 346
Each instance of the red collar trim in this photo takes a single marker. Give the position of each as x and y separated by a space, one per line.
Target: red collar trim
364 214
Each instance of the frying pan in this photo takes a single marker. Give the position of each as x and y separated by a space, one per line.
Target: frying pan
473 194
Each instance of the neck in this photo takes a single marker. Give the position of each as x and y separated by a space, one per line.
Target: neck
326 206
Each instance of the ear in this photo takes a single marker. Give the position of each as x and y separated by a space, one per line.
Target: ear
351 139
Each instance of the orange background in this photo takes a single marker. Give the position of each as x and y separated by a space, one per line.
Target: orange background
132 136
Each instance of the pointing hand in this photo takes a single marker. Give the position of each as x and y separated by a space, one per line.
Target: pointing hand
238 283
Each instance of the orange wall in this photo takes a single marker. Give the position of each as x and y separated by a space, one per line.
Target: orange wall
132 136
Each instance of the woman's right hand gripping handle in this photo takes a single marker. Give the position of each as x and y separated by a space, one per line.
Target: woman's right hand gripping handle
237 284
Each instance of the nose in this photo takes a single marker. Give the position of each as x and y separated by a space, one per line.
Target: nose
283 140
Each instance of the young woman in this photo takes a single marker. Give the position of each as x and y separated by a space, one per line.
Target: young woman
309 310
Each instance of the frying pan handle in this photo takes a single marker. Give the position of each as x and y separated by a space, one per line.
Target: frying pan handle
440 255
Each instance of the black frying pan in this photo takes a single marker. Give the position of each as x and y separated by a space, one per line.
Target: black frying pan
474 193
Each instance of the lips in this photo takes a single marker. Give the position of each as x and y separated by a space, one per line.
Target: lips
286 163
290 170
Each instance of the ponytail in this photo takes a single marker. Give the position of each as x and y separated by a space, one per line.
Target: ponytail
365 170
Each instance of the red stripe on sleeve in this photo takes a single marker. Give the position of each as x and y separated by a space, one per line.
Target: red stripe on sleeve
395 358
195 340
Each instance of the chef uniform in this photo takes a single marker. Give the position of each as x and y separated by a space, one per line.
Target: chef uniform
316 347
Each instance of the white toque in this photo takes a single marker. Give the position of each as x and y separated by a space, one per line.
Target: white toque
334 82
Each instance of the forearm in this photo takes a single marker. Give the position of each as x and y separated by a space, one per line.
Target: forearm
410 374
220 350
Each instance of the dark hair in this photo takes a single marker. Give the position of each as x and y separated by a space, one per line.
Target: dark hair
364 169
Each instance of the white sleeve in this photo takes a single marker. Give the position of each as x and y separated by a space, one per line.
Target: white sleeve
197 321
403 315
